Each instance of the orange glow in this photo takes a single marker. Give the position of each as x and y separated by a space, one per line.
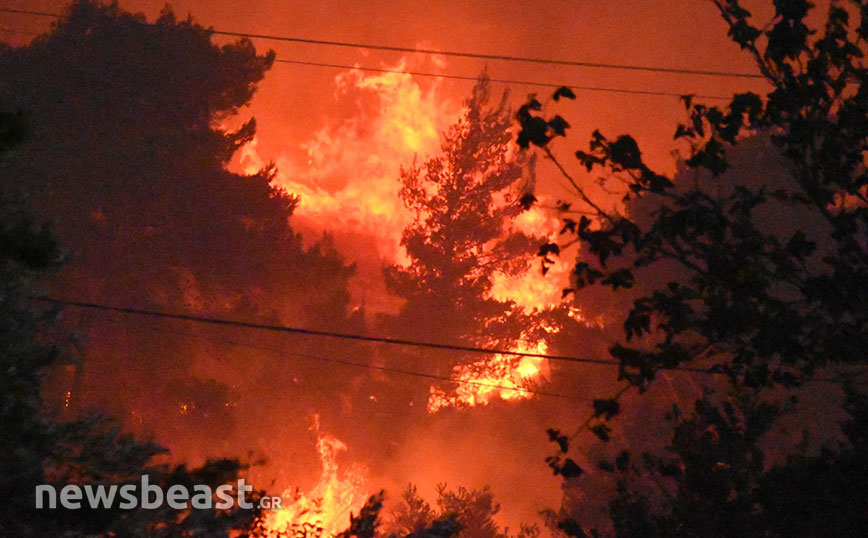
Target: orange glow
325 510
351 177
531 289
501 376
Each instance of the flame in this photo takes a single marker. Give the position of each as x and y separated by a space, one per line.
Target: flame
325 510
531 290
351 175
505 377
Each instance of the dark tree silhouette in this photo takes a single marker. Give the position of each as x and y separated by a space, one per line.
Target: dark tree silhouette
462 200
456 243
472 510
128 158
760 281
37 446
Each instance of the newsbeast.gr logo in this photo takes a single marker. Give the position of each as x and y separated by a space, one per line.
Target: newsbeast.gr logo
150 496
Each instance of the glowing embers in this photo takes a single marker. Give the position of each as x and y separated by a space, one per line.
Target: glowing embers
324 511
505 377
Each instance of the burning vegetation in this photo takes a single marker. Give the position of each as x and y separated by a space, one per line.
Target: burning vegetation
408 276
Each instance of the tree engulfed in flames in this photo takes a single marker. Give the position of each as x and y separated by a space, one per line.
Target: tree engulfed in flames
352 177
507 377
325 510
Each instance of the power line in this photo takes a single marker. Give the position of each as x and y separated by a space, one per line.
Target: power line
14 31
368 366
369 338
497 57
498 80
31 12
467 77
339 335
458 54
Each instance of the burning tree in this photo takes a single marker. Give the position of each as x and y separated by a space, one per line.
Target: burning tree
461 238
764 289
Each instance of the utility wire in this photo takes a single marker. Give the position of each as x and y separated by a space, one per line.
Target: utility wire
363 365
465 77
367 338
434 75
457 54
13 31
498 57
501 81
31 12
339 335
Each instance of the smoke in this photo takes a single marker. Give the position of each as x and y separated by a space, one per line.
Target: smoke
348 176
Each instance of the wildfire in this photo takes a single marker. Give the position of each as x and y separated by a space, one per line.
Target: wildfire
325 510
350 179
506 377
350 182
531 290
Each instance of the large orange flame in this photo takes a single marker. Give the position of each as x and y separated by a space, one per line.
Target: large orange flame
325 510
351 176
505 377
350 182
531 290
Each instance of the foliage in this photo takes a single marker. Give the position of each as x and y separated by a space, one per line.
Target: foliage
761 308
36 446
133 128
763 281
471 512
461 203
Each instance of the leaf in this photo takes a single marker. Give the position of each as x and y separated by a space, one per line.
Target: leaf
571 528
561 440
559 125
682 131
607 466
534 131
563 91
606 406
622 278
623 461
602 431
527 200
687 100
549 248
570 469
624 151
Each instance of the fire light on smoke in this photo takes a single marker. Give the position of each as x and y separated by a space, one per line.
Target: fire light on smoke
531 290
505 377
349 183
325 510
351 177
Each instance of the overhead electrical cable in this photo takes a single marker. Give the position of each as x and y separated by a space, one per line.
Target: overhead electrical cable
388 369
368 338
30 12
450 76
458 54
338 335
500 80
